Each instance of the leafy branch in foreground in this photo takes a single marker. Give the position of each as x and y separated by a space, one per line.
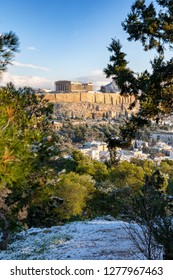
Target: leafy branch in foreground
152 214
28 146
153 91
9 44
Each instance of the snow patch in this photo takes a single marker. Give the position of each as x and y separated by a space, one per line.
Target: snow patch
99 239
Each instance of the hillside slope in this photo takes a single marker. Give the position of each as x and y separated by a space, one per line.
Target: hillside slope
98 239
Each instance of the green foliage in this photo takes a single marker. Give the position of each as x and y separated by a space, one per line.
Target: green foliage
154 192
28 147
148 166
164 235
115 185
137 189
75 190
153 91
94 168
9 44
86 132
57 203
119 70
107 199
60 199
151 210
166 166
127 174
152 28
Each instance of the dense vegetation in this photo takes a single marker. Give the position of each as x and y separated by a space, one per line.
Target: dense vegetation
87 132
41 187
153 91
151 25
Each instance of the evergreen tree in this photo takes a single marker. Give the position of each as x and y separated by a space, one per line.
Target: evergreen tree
153 91
28 146
9 44
152 25
151 211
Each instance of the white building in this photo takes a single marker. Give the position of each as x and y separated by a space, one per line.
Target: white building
128 155
164 136
95 150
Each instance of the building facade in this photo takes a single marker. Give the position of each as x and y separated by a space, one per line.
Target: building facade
164 136
69 86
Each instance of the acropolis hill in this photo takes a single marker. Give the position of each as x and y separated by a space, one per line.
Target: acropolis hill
80 102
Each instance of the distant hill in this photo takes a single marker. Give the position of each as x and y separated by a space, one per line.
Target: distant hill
111 87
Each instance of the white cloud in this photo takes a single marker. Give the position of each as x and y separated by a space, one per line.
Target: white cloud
20 64
31 48
30 81
98 73
97 77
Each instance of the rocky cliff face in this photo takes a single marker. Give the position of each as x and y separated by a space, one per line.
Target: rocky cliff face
89 104
89 110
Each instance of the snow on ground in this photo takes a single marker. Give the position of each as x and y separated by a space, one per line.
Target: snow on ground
97 239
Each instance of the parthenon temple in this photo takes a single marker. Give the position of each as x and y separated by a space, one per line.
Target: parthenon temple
68 86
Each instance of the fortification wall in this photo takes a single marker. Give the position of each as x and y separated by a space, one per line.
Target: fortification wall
92 97
87 97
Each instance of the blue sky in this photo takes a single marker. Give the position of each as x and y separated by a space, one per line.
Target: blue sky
66 39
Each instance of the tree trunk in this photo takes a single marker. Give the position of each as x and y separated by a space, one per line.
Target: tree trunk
168 255
4 231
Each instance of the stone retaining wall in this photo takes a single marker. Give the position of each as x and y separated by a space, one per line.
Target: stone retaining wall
92 97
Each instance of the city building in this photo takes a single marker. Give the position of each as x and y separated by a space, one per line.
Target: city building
164 136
